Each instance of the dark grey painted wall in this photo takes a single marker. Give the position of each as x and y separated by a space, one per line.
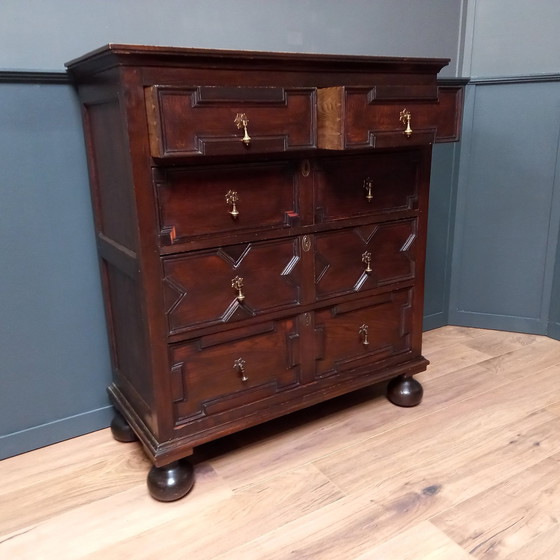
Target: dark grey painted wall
441 219
54 363
508 204
554 317
54 357
505 270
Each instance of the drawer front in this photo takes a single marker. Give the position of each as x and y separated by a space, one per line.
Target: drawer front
352 335
231 283
217 373
225 199
229 120
373 184
357 259
361 117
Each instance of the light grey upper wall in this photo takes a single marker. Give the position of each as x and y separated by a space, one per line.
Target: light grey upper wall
512 37
39 35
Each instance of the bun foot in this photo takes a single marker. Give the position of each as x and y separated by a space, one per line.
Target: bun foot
121 430
171 482
404 391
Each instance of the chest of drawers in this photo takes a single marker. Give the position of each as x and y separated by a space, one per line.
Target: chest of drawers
261 225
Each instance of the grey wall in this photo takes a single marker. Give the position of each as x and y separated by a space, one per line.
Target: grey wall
53 349
441 219
511 38
505 273
54 364
554 317
35 34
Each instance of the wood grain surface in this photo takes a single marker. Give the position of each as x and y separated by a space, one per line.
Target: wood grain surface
472 472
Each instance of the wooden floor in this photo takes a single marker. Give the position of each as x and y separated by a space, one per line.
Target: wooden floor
472 472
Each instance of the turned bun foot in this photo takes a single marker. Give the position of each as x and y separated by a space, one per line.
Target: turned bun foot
404 391
171 482
121 430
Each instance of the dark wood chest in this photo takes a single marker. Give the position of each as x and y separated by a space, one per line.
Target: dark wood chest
261 224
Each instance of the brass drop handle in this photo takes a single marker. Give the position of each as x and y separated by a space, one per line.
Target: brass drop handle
239 365
368 186
231 200
366 259
405 117
237 285
242 121
363 332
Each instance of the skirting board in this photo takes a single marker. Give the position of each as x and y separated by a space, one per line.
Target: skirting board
554 330
54 432
497 322
434 321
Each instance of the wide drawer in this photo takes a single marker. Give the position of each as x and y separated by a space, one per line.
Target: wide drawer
366 257
230 199
220 372
354 335
359 117
231 283
229 120
376 183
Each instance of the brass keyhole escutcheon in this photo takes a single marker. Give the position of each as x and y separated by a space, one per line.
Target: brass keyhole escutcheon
237 285
242 121
239 365
366 259
363 332
405 117
231 200
368 186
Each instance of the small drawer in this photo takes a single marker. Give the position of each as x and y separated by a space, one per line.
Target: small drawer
377 183
231 283
232 199
354 335
229 120
366 257
361 117
217 373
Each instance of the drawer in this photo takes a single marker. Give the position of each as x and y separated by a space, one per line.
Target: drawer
225 199
361 117
231 283
354 335
221 372
229 120
366 257
372 184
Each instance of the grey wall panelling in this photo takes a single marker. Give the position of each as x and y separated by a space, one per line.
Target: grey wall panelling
443 193
49 286
508 206
505 268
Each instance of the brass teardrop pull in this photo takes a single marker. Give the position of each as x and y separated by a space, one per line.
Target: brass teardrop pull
368 186
242 121
366 259
239 365
231 199
363 332
237 285
405 117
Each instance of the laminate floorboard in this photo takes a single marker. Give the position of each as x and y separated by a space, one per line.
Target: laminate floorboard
472 472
